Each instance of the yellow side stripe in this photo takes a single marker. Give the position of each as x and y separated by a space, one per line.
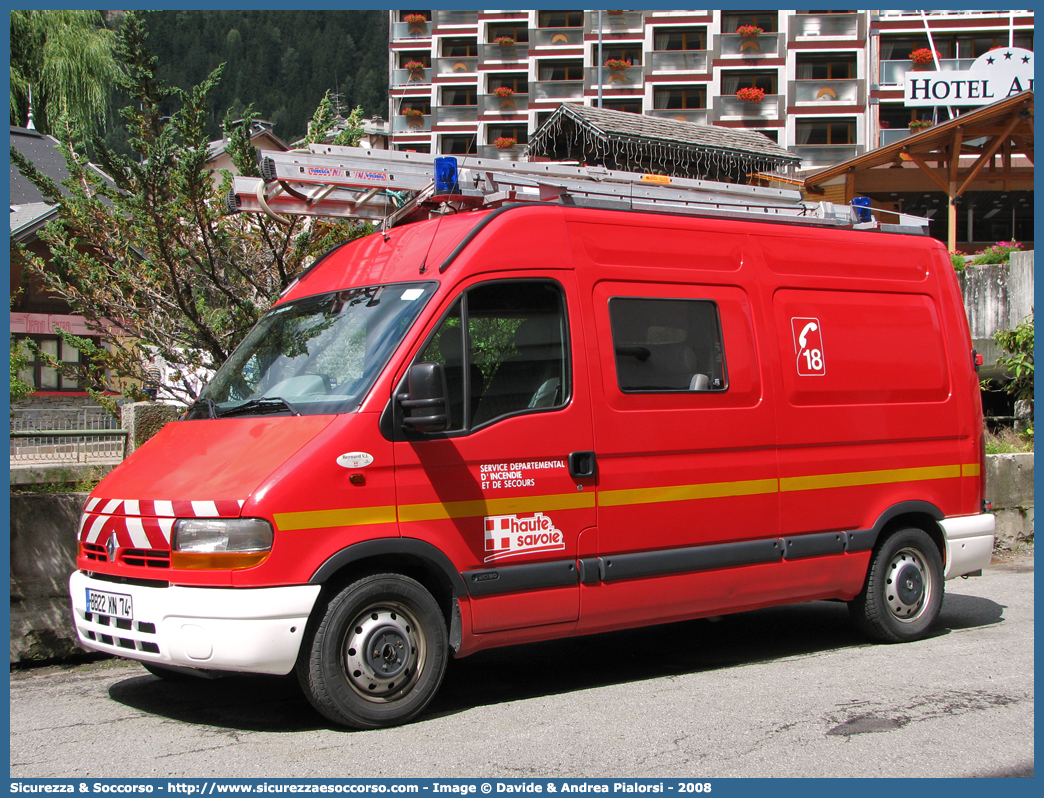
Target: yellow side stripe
483 507
349 516
436 511
680 493
858 478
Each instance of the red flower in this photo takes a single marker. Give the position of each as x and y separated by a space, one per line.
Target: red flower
749 31
751 95
505 143
922 56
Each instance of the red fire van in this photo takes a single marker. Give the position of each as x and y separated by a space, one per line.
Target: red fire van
514 425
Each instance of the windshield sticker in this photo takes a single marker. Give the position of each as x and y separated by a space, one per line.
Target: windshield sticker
499 476
354 460
411 294
510 536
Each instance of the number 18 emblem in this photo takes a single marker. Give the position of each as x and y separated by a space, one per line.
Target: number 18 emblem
808 343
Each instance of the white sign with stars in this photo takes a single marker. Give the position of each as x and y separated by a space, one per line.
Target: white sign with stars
995 75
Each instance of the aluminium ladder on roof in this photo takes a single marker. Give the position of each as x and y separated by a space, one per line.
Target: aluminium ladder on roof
390 186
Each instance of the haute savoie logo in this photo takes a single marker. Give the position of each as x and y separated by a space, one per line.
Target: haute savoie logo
510 536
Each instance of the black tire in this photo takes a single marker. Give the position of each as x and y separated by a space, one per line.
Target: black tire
904 589
376 655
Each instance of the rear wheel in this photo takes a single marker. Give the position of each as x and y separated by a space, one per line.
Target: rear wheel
904 589
377 655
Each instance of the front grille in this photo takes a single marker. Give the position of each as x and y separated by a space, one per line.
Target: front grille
145 558
137 629
92 551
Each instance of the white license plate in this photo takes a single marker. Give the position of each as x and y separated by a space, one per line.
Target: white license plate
117 605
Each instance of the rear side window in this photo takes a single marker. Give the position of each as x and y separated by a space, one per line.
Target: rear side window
667 345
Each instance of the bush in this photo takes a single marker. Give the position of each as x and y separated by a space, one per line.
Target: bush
1008 441
1018 359
999 253
957 258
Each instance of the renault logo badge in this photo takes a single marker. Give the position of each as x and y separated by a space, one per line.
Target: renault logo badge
111 546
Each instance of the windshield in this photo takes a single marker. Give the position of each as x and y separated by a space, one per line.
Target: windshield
317 355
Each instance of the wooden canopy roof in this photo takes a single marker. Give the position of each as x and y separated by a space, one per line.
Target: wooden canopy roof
987 139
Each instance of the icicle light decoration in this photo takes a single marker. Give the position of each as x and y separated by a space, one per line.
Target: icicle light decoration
678 159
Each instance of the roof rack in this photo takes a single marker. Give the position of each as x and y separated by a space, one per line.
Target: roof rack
397 187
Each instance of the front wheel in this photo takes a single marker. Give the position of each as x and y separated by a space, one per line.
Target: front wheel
377 655
904 589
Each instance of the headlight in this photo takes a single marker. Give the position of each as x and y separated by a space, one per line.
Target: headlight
220 543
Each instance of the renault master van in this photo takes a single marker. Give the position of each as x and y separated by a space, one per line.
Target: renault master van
541 421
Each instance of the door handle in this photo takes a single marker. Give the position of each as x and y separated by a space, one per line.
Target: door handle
582 464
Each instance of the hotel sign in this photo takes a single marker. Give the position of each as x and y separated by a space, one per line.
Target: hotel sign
997 74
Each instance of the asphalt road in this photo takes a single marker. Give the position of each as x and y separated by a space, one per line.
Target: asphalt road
790 691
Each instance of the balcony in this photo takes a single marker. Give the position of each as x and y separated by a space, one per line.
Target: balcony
491 104
731 108
827 26
456 66
403 77
619 22
557 37
557 90
454 114
765 45
408 124
513 53
695 61
893 73
513 154
823 155
627 78
892 135
447 17
699 116
825 92
407 31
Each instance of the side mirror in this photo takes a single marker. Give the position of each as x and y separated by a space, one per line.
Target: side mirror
424 404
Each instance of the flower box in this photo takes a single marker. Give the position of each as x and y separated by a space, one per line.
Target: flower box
922 56
749 31
751 95
919 124
413 113
504 41
505 143
617 63
415 19
414 66
503 92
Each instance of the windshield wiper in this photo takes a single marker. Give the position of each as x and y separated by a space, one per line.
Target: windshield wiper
266 404
203 401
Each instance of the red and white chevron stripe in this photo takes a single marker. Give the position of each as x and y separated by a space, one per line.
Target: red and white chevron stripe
145 524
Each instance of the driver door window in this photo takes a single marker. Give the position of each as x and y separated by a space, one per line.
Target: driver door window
503 345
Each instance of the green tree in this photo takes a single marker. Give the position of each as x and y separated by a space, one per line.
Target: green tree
151 262
65 59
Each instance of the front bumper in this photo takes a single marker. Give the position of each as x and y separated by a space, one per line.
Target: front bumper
256 630
969 543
